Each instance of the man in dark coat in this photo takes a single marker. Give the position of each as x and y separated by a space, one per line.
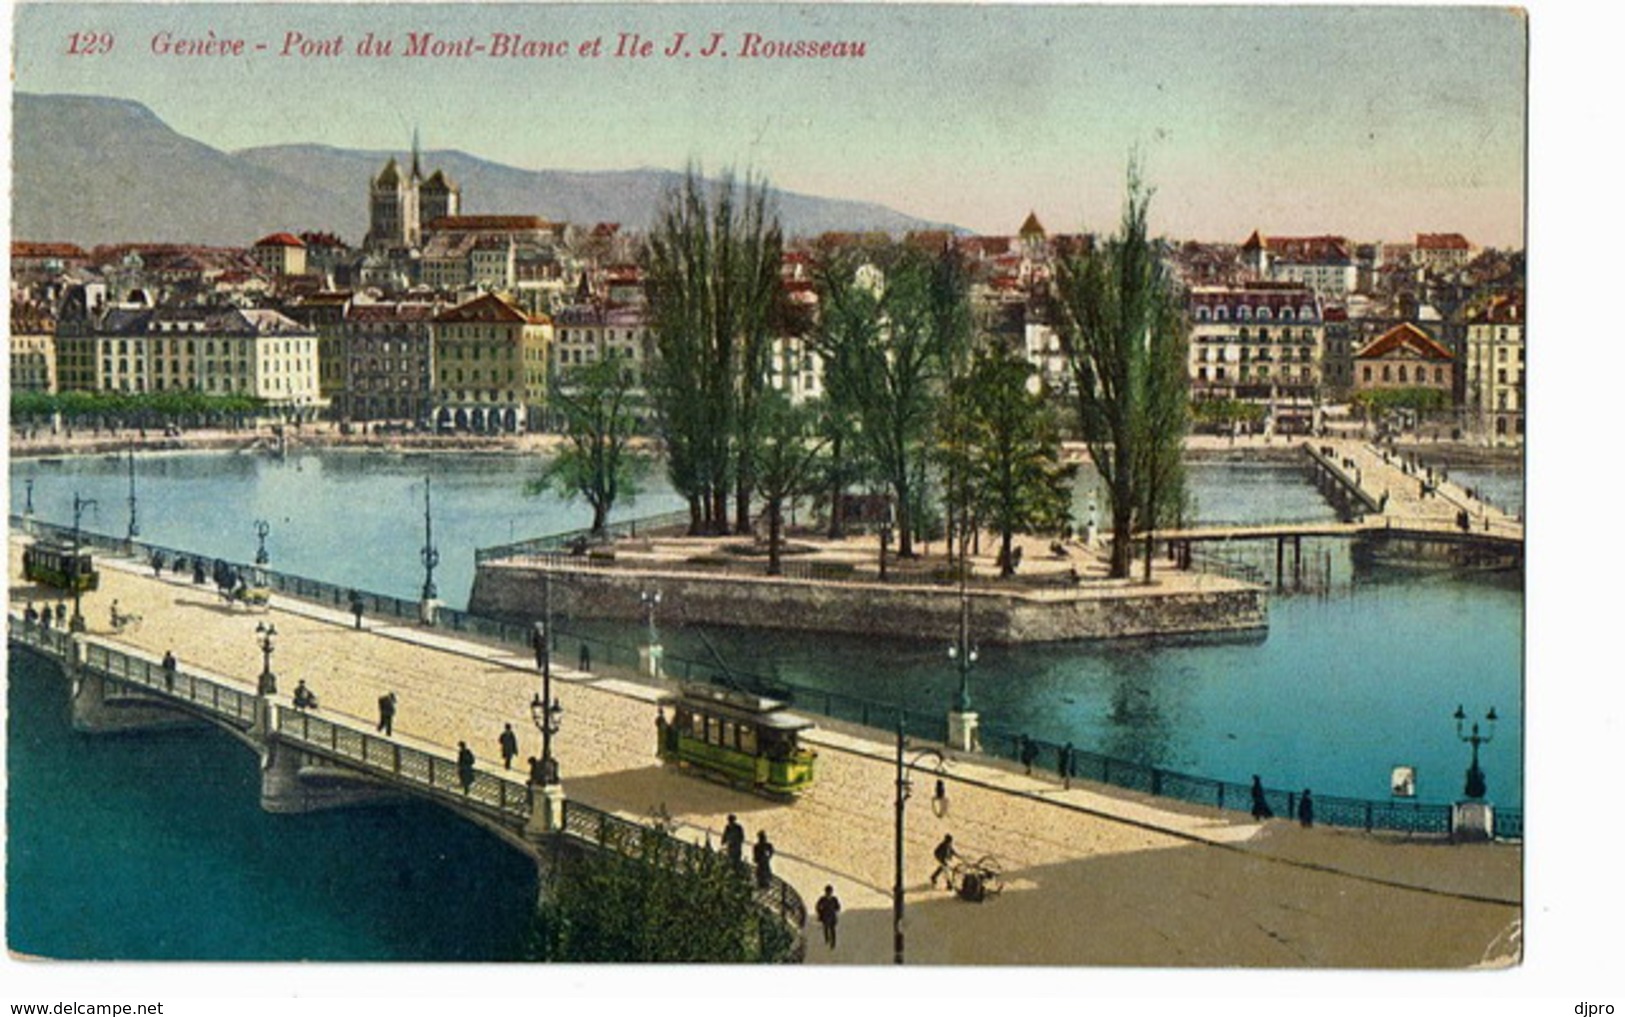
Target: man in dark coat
829 912
1306 809
944 853
733 840
509 743
465 766
762 852
386 713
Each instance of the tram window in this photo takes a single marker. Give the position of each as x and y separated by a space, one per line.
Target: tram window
747 739
728 728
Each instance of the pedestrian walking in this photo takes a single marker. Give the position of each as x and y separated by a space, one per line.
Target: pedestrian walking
45 617
465 766
1306 809
157 562
169 670
62 615
733 840
1029 754
1261 808
386 713
586 657
828 909
762 853
303 698
944 853
509 742
1063 765
356 607
30 613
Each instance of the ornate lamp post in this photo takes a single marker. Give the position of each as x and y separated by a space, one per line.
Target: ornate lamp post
905 786
430 558
77 622
262 529
134 529
547 814
28 505
650 655
1476 785
267 634
962 720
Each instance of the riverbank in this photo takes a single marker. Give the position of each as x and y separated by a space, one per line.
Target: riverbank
314 437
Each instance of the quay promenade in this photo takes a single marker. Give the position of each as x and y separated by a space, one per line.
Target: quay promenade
1092 877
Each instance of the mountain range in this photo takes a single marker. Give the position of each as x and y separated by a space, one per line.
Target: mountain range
90 170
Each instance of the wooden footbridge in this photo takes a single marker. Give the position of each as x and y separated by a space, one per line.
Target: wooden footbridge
1377 494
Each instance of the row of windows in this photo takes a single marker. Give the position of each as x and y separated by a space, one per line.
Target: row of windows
1248 313
1305 354
1304 375
1419 375
1286 335
455 376
476 395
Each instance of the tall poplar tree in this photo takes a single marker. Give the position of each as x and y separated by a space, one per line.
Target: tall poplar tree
712 272
1123 331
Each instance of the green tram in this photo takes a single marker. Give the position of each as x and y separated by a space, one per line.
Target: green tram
743 739
60 567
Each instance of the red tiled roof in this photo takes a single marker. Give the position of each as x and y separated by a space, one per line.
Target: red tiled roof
1441 242
486 308
471 223
33 249
279 240
1404 337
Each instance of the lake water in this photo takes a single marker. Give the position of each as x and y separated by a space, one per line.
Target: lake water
1343 687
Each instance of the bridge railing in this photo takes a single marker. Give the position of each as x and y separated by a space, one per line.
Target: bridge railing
627 838
507 798
203 694
1395 815
555 541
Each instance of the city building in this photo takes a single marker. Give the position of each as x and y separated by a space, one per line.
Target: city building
280 254
1403 357
32 346
401 201
1263 343
491 367
1441 251
1325 264
388 362
1494 390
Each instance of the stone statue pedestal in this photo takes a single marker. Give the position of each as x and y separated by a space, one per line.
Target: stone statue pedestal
963 730
546 811
428 608
1472 821
649 658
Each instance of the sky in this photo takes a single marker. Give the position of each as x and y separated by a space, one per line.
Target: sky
1374 123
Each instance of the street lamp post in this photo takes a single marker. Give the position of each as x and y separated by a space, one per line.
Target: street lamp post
1476 785
904 787
267 634
962 720
262 529
77 622
430 558
885 541
134 529
28 505
547 814
651 653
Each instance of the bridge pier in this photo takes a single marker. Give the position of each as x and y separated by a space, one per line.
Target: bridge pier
293 781
98 705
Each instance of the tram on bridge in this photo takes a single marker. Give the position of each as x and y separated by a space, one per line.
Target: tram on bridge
60 566
743 739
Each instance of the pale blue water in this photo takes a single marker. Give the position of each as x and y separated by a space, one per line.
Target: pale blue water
1341 689
154 847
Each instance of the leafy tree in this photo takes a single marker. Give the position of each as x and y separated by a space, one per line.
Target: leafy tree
1123 333
598 463
713 280
1422 400
1011 458
787 463
1223 413
888 330
659 901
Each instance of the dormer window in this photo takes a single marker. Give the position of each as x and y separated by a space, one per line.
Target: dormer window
1263 314
1244 313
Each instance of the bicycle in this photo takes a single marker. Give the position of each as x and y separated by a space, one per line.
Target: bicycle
976 881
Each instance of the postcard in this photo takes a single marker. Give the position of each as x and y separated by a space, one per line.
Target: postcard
952 486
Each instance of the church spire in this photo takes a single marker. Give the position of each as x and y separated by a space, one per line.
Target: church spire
417 173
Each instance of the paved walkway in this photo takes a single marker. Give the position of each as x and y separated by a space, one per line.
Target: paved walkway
1093 877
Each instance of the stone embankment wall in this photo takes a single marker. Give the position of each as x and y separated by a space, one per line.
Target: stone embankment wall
1093 611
